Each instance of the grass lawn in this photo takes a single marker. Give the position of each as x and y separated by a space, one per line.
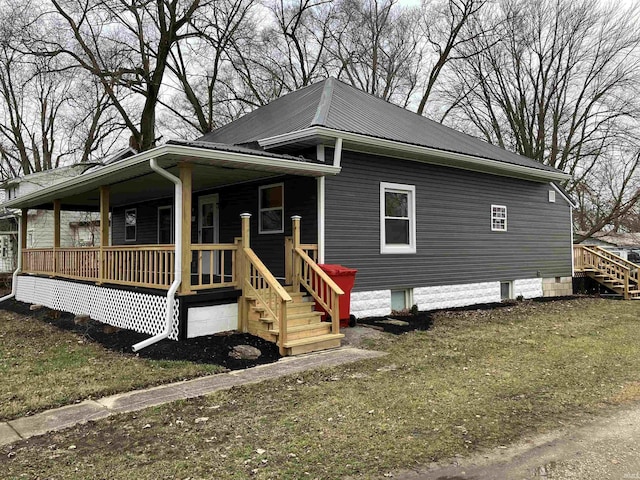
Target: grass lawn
43 367
476 379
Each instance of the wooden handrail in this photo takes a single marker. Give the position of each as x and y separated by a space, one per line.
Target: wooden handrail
321 287
604 264
260 283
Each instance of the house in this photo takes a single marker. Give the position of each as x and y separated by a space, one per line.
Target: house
77 227
226 231
624 245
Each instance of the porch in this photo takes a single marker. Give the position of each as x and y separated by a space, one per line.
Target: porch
157 287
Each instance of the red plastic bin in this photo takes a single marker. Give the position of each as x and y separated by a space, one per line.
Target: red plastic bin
345 278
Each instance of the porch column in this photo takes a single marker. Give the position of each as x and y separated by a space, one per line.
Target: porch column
23 229
297 267
186 177
104 231
56 234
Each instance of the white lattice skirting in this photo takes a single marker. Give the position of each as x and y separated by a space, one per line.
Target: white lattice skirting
136 311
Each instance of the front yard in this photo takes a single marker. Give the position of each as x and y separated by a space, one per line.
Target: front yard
476 379
43 367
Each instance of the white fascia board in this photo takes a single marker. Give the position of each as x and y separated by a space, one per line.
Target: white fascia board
440 157
177 153
562 194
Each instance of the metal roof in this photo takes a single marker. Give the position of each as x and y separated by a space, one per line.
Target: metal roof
338 106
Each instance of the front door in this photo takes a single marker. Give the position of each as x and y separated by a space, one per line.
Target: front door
208 229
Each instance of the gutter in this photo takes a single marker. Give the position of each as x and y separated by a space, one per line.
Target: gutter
14 281
438 157
177 228
88 181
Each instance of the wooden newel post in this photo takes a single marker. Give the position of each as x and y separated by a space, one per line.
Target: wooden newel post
246 230
297 261
245 242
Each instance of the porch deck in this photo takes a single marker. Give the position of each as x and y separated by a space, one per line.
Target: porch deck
284 315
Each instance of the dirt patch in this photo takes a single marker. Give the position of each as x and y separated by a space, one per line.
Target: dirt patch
212 349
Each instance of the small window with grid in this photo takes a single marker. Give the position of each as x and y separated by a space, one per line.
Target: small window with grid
498 218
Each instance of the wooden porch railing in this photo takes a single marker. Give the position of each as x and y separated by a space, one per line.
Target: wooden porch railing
592 260
311 249
634 269
319 285
261 284
150 266
215 265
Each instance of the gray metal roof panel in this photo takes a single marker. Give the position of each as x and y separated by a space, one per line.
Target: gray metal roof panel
336 105
288 113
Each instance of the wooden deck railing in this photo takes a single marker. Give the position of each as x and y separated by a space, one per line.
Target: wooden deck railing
150 266
80 263
215 265
589 259
319 285
260 283
634 269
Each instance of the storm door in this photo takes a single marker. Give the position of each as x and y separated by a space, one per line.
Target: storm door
208 226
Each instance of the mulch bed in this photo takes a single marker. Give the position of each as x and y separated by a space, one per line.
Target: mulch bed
407 322
212 349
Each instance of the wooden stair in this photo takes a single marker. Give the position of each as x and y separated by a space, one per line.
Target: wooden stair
613 272
306 331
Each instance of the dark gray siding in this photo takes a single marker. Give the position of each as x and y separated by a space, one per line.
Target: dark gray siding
300 194
146 219
300 198
455 243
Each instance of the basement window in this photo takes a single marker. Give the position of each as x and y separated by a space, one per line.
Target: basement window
130 225
271 208
401 299
397 218
506 290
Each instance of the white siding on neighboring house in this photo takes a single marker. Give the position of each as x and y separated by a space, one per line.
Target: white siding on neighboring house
40 229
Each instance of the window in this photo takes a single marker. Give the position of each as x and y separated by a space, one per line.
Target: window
130 225
271 207
498 218
401 299
30 239
552 196
397 218
505 290
165 225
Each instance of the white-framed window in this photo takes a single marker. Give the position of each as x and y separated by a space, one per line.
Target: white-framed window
552 196
130 224
498 218
165 225
401 299
30 238
397 218
271 208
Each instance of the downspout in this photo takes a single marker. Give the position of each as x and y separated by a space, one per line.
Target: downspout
14 281
177 220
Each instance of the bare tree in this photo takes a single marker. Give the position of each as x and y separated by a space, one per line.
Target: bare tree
561 88
202 67
125 45
39 99
376 48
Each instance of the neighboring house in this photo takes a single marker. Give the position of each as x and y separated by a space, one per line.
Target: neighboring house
426 214
625 245
40 221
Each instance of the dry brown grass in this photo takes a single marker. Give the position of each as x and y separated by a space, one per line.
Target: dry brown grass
43 367
477 379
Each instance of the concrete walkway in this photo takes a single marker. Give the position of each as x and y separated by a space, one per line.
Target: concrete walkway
65 417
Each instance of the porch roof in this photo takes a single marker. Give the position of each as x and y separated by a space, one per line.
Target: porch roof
132 180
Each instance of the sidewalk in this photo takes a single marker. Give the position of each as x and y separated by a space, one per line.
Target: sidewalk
65 417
